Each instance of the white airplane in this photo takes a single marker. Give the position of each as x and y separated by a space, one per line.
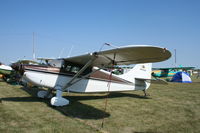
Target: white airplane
86 74
5 70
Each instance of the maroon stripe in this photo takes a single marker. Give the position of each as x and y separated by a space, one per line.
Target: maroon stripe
99 75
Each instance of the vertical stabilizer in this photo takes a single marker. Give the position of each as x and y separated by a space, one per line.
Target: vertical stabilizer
140 71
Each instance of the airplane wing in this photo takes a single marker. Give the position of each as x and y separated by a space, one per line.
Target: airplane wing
45 59
124 56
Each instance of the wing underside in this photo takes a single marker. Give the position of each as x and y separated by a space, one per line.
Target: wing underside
124 56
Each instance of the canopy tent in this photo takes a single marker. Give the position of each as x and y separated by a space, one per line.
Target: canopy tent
181 77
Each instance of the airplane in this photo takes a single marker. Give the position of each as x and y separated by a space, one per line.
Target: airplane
5 70
86 74
169 72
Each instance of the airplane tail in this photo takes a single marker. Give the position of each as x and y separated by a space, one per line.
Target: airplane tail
139 72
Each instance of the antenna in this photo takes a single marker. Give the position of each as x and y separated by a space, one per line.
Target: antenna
111 45
61 52
107 44
70 51
33 46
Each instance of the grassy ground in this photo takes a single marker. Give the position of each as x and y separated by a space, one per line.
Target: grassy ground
173 108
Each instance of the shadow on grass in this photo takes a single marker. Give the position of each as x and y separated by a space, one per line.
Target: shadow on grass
75 109
145 132
22 99
110 95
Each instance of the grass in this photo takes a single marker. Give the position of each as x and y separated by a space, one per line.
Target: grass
172 108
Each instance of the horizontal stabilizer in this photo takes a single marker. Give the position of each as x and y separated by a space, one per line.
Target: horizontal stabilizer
153 81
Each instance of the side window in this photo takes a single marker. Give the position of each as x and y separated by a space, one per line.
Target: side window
75 69
72 68
68 68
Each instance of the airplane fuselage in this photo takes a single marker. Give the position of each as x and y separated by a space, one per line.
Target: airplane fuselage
98 81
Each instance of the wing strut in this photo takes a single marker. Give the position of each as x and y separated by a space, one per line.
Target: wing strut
93 58
81 79
58 100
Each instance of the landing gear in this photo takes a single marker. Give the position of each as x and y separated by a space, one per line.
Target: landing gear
58 100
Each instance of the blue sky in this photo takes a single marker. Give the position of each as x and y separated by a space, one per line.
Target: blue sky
87 24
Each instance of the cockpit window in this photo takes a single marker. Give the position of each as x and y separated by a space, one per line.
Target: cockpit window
68 68
73 68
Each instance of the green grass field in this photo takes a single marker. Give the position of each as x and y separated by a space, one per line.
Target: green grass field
174 108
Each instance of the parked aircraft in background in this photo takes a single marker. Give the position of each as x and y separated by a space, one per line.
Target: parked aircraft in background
169 72
85 73
5 71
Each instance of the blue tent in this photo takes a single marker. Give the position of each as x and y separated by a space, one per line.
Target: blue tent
181 77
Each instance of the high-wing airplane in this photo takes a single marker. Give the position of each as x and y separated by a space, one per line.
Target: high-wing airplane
85 73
